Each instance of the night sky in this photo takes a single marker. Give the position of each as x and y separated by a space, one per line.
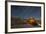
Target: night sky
25 11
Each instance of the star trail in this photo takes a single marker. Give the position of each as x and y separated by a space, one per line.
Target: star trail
26 11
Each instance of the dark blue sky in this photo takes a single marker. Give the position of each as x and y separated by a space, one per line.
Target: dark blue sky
25 11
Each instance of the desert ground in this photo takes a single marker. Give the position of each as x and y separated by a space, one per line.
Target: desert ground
18 22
